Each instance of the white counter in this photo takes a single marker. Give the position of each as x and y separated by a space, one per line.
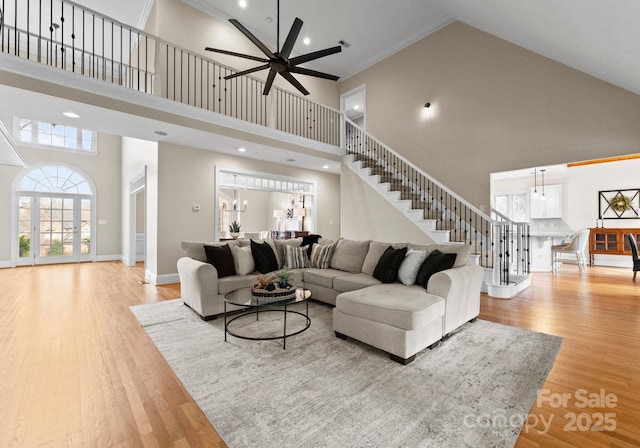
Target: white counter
540 247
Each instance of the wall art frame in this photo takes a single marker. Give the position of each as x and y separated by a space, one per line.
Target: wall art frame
619 204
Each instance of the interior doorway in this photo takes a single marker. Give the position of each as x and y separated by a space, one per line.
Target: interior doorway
137 218
354 105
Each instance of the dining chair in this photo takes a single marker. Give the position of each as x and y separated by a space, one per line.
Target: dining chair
634 254
576 245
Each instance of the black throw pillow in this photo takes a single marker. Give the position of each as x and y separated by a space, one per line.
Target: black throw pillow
387 268
264 257
221 258
435 262
310 240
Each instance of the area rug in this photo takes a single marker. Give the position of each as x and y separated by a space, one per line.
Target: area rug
474 390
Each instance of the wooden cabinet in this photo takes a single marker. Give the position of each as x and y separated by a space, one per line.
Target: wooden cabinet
547 206
611 241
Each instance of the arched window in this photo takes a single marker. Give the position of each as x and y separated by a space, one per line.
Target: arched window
55 215
55 179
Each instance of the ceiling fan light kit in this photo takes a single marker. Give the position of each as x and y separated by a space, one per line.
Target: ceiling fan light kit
278 62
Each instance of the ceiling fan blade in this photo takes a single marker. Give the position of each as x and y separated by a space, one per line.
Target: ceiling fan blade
291 38
289 77
240 55
252 38
315 55
246 72
269 83
306 71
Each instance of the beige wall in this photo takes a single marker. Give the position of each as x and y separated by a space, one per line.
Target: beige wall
180 24
497 107
103 170
366 215
186 178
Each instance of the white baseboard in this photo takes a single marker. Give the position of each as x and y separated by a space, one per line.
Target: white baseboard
163 279
109 258
619 261
5 264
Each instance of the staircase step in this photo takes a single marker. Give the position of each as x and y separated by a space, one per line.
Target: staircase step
440 236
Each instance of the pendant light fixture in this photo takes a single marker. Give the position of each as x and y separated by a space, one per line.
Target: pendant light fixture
542 171
535 182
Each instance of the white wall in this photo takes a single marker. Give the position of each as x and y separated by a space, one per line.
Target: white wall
581 185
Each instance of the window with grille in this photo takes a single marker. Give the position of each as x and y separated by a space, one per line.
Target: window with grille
55 135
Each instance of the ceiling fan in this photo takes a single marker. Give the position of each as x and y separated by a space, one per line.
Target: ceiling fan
278 62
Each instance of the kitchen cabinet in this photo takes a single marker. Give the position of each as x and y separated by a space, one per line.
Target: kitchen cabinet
547 206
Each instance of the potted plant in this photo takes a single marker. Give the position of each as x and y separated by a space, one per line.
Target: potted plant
284 276
234 229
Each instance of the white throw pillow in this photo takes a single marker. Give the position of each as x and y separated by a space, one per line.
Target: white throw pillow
243 259
411 265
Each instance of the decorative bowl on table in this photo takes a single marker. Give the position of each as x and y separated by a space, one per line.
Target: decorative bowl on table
275 294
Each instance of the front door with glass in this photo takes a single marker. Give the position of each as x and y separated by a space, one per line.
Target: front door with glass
54 228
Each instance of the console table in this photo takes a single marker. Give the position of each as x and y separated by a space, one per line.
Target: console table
280 235
610 241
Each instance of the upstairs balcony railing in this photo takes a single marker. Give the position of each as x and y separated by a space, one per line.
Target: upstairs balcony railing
70 37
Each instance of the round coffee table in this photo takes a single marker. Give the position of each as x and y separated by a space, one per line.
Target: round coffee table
244 298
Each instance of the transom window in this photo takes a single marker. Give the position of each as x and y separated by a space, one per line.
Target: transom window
56 135
55 179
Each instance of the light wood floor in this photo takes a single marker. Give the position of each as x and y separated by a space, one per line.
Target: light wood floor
78 370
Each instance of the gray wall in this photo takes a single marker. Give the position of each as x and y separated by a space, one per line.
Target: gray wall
496 107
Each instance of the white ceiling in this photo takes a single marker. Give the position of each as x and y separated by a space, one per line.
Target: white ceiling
601 38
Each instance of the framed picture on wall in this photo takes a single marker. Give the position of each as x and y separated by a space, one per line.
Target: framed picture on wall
619 204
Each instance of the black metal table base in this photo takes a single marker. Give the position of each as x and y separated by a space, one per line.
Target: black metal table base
259 309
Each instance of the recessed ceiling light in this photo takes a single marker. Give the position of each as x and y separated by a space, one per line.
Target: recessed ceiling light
269 19
242 149
71 114
242 3
291 160
306 41
160 133
356 107
326 167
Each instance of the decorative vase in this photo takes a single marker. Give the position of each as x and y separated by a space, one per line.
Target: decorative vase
235 235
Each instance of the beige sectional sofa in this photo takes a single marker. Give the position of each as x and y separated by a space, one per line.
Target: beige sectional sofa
397 318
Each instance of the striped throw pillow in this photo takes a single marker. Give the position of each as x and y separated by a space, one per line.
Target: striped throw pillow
321 255
296 257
